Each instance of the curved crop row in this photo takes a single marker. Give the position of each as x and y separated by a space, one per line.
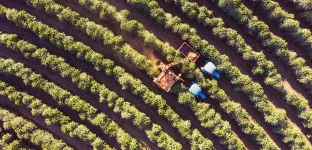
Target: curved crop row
27 130
275 116
108 12
86 82
53 116
150 98
221 128
304 8
8 143
128 82
86 111
260 30
278 46
115 42
287 23
261 65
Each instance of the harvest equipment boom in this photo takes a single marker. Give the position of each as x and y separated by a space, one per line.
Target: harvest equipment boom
167 77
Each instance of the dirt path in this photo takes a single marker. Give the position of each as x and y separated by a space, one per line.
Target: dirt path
173 98
39 122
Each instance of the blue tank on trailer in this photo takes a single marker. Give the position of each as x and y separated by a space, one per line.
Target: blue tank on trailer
196 90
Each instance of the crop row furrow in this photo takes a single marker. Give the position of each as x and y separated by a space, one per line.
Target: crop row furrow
29 131
7 142
275 116
287 22
150 98
137 88
259 29
85 110
105 10
261 65
170 53
86 82
133 26
53 116
303 8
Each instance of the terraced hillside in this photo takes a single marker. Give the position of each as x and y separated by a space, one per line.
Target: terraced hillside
86 74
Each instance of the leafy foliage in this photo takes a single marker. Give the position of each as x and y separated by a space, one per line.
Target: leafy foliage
150 98
85 110
86 82
259 29
53 116
287 22
27 130
8 143
240 81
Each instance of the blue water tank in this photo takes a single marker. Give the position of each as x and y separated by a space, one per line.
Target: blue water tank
210 68
195 89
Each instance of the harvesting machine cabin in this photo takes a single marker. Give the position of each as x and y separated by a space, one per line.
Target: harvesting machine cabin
167 78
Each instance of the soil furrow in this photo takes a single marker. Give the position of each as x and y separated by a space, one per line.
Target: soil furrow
24 142
238 62
274 28
290 83
39 122
256 45
177 45
65 27
88 97
46 98
289 7
99 76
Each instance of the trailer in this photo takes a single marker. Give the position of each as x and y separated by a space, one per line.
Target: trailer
167 78
188 52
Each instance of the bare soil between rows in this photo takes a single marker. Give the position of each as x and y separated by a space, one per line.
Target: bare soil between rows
154 28
100 76
164 35
186 115
23 142
39 122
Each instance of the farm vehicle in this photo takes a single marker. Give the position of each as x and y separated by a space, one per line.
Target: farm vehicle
167 77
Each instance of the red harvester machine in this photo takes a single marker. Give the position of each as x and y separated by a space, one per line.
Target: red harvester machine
167 77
